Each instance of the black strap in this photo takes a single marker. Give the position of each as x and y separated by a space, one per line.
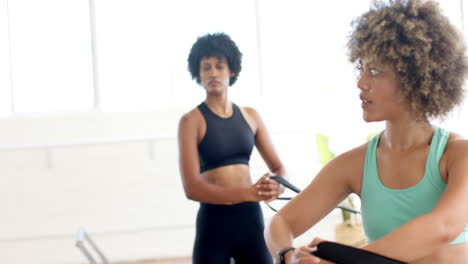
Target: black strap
285 182
290 186
342 254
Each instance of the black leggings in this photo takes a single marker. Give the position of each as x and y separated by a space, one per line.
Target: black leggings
225 231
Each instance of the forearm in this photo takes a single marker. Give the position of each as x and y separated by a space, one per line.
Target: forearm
414 240
280 171
214 194
278 235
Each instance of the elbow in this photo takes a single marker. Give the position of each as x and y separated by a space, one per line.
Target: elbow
270 224
192 188
277 224
449 231
270 229
192 196
191 193
450 234
276 232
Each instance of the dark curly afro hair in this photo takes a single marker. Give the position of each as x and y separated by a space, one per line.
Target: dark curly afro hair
425 51
218 45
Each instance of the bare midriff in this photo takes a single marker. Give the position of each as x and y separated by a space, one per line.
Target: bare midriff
236 175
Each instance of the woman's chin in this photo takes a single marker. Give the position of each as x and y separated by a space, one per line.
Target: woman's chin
215 92
370 119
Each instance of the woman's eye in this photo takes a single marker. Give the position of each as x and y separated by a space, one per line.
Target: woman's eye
374 72
358 71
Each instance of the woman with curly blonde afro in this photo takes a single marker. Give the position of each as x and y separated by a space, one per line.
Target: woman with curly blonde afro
412 177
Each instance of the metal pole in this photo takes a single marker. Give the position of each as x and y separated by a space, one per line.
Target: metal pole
462 14
10 60
83 237
259 46
95 71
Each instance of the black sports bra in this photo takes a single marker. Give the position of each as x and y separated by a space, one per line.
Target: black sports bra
227 141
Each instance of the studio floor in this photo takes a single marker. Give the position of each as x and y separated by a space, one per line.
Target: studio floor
182 260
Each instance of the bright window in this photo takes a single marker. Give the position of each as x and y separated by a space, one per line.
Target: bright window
143 48
50 55
294 53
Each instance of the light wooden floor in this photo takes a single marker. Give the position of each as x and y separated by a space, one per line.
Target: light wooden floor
182 260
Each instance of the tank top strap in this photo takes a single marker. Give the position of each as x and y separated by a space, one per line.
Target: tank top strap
436 150
369 178
206 112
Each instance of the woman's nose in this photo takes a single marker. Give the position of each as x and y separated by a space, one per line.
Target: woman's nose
213 71
362 82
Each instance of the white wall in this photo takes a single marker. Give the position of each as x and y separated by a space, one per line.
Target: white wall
127 194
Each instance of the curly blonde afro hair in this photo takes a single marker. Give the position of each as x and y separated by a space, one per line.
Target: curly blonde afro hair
425 51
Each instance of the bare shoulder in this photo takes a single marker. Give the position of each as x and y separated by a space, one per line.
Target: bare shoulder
252 117
356 154
457 147
190 119
351 161
250 112
350 164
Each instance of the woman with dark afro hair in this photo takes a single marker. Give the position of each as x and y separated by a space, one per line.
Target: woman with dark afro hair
412 177
215 143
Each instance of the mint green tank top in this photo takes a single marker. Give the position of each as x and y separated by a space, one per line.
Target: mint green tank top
384 209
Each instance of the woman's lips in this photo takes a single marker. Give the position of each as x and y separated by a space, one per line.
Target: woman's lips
365 103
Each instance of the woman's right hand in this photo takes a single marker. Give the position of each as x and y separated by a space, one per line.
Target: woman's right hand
303 255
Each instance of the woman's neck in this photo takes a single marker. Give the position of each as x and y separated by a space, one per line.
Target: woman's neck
404 135
219 105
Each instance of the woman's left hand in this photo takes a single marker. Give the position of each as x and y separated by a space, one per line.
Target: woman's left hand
314 244
269 187
316 241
